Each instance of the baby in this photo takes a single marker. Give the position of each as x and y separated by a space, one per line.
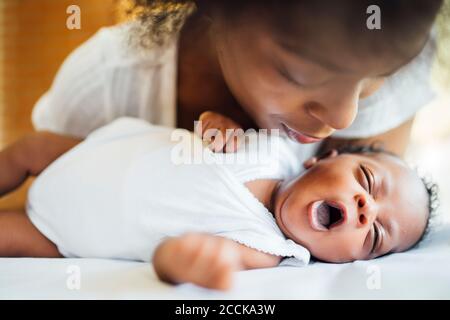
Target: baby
120 194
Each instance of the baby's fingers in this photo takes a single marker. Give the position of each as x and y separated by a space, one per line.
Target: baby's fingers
222 133
212 274
216 139
220 278
224 140
234 140
214 265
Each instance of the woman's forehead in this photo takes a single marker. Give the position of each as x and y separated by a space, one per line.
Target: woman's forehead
344 44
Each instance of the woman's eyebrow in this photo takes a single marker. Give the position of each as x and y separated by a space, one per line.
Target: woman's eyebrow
306 54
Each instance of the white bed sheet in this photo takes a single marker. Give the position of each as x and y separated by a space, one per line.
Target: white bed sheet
422 273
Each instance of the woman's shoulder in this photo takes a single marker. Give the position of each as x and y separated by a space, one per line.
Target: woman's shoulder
125 43
106 77
112 47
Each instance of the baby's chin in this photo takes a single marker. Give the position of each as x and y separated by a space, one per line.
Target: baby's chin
287 232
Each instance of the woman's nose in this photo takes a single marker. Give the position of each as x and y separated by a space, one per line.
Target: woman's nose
365 211
337 110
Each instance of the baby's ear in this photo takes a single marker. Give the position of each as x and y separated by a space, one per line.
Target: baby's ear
314 160
310 163
329 154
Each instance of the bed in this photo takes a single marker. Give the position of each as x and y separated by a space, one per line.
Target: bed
422 273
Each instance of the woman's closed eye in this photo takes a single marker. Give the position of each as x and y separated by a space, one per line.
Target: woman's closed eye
303 80
286 75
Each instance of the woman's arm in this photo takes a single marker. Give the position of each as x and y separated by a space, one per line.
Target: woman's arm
206 260
395 140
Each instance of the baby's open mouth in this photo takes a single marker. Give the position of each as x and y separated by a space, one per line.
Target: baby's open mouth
324 215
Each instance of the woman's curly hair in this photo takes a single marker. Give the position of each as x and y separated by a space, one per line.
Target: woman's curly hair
157 20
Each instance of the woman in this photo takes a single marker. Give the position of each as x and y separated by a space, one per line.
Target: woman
310 68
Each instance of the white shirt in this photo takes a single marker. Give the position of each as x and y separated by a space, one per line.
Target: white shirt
122 191
105 79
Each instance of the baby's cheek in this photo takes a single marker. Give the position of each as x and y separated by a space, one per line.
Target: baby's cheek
338 248
352 246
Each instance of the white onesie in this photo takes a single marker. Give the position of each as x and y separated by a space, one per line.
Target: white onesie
126 188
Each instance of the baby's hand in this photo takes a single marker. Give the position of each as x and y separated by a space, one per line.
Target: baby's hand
202 259
224 134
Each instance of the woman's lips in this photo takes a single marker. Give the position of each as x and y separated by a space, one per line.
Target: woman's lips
299 137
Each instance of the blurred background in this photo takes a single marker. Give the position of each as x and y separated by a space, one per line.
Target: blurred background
34 41
430 147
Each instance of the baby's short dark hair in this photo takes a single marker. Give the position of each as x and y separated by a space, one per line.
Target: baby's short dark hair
431 187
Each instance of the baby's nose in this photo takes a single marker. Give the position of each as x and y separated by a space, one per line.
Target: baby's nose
365 211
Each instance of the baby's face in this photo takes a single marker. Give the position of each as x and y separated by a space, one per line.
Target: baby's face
353 207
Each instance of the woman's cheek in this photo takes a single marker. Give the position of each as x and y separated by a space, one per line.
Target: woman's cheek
276 101
371 86
268 101
271 90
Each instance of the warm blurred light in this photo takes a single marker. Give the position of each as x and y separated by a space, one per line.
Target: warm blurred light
430 146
